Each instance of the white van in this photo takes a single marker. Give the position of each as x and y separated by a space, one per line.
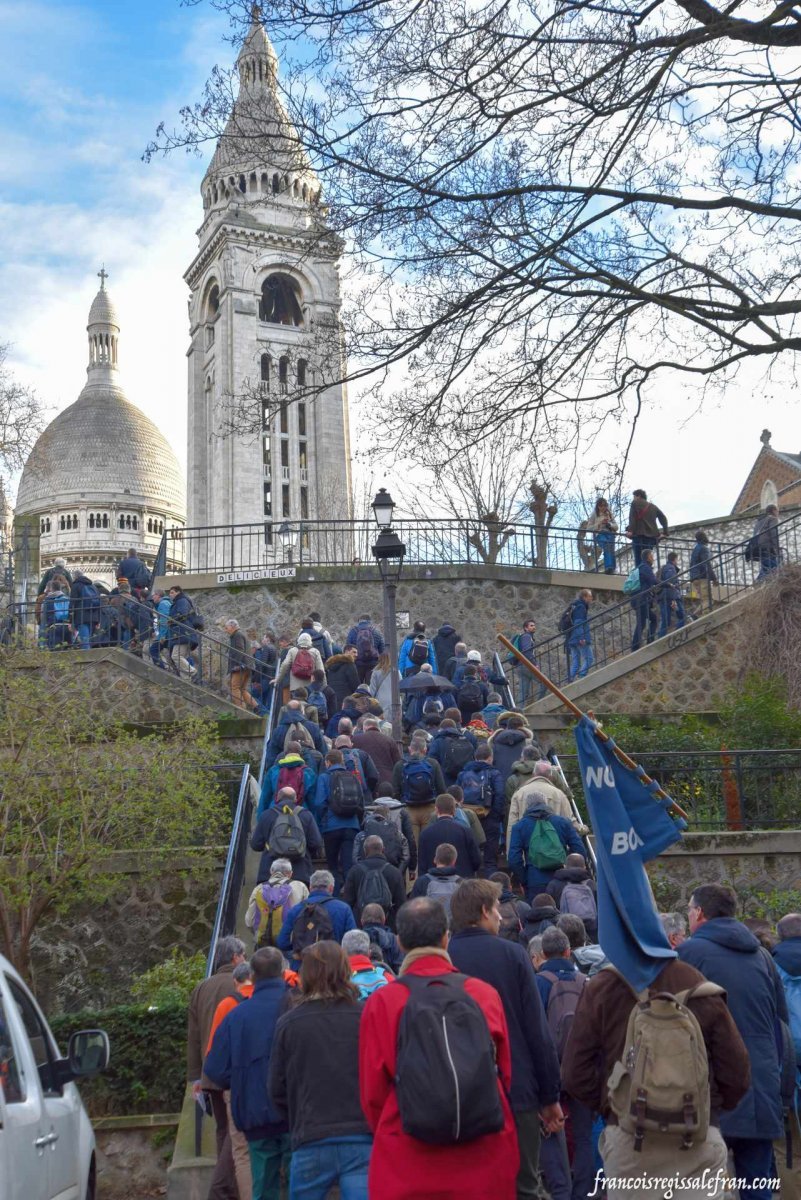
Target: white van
47 1146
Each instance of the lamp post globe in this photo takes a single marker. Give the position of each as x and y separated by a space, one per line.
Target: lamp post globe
383 508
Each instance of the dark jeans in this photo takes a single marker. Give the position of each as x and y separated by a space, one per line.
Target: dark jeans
555 1166
580 1121
640 543
267 1156
492 829
317 1166
223 1181
529 1185
644 612
364 671
668 613
339 854
753 1159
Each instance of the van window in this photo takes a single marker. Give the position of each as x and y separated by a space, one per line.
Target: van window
37 1036
10 1082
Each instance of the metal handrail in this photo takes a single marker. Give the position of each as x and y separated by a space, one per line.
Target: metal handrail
222 923
504 689
620 617
268 730
553 758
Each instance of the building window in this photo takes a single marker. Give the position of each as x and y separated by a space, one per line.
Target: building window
268 500
284 453
284 419
285 500
62 523
265 418
301 419
301 372
266 456
265 369
212 302
91 520
209 336
302 460
280 301
283 373
105 520
304 503
122 522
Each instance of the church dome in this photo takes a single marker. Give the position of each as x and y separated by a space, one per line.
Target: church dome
101 444
103 311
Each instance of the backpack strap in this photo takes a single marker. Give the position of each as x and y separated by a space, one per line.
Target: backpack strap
549 975
700 991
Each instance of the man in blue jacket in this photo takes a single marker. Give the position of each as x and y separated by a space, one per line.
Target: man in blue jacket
483 788
579 640
536 879
293 715
369 642
728 954
296 772
321 891
338 829
476 949
239 1060
644 601
405 664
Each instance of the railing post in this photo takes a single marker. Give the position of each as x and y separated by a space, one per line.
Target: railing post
232 548
160 565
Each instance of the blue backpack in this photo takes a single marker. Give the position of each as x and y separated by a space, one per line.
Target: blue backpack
369 981
57 609
477 788
418 783
90 601
318 701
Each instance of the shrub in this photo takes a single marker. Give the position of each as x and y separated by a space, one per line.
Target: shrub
170 982
148 1050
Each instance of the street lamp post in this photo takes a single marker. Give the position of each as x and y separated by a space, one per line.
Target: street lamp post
388 552
287 536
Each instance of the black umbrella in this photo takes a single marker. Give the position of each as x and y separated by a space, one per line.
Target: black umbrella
423 682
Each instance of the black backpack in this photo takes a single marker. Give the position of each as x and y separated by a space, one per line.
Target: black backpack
417 782
418 653
446 1077
459 751
469 697
390 836
345 798
374 889
566 619
312 924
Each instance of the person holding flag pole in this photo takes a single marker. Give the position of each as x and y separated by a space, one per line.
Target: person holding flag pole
651 1034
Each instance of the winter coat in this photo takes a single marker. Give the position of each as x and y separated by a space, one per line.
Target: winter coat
269 788
332 725
260 840
239 1059
451 665
424 878
669 590
507 745
404 663
321 640
381 687
701 564
392 877
448 829
386 808
402 1167
553 796
286 668
381 749
539 919
439 744
134 570
495 783
766 531
445 641
643 518
340 914
590 959
80 611
475 826
179 631
378 641
601 523
562 968
238 652
522 773
787 955
507 967
648 582
580 629
387 941
292 717
534 878
314 1071
490 713
563 877
202 1007
342 676
724 951
598 1037
438 782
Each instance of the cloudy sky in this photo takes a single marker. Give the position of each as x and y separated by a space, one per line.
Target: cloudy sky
82 89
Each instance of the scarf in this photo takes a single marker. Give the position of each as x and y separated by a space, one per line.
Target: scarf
423 952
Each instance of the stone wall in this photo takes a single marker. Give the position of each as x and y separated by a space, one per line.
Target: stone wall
88 959
763 868
480 601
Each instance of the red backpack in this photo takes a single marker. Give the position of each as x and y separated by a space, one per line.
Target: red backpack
303 665
292 777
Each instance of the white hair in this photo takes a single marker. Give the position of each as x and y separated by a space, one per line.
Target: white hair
356 941
232 622
321 881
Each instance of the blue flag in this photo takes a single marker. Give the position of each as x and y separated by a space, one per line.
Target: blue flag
631 826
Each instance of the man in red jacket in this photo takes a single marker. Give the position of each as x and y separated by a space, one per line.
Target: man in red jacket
401 1166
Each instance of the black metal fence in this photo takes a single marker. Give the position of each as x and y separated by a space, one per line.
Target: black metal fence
722 789
234 872
618 628
271 546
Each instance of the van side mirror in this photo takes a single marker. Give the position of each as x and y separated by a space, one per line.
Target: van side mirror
87 1054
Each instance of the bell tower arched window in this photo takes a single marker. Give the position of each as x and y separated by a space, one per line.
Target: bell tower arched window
280 301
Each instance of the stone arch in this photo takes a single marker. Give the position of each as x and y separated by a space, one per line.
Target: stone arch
281 300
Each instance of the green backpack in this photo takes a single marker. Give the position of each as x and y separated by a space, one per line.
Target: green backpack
545 849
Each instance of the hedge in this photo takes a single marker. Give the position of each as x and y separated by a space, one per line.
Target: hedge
146 1073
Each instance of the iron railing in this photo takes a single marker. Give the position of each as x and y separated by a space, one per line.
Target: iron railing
199 656
234 549
612 627
723 789
234 871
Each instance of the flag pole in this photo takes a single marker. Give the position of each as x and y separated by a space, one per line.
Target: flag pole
578 714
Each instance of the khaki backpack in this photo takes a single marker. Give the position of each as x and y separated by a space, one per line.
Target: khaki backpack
661 1083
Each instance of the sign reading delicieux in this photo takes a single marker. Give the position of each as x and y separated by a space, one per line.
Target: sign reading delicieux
267 573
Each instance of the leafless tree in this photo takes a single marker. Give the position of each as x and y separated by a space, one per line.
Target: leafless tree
21 420
546 206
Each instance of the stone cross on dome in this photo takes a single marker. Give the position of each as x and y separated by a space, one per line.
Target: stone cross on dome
103 276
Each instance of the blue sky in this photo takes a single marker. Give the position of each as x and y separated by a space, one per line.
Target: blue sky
82 89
